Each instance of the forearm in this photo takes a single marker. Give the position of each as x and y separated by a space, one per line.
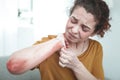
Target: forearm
27 58
82 73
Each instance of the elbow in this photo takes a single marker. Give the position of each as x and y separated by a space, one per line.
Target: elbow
15 66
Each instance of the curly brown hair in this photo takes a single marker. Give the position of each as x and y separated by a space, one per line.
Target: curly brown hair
101 12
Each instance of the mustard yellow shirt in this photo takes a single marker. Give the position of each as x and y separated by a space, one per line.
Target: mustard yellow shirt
91 58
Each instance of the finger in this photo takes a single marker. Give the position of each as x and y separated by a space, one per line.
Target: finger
64 61
64 56
67 44
64 50
61 64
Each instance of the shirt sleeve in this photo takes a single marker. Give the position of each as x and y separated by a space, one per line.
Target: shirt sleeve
97 64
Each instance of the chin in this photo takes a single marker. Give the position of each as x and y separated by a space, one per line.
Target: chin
72 40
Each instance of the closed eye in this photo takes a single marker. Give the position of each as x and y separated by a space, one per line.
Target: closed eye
85 28
74 20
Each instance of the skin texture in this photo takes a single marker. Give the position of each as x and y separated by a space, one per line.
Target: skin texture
27 58
80 26
15 68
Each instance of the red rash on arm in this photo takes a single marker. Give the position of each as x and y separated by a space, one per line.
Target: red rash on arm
51 51
28 58
15 66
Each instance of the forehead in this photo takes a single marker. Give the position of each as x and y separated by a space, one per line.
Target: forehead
81 14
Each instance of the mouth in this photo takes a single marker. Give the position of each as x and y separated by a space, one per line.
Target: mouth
72 36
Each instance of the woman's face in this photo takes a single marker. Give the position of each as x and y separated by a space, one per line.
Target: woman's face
80 25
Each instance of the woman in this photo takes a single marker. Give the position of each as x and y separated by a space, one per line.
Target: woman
71 55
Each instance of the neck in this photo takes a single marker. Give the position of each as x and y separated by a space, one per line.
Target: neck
80 47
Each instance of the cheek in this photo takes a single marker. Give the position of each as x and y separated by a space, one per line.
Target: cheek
67 27
69 24
85 35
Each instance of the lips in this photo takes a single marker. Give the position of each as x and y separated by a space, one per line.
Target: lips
72 36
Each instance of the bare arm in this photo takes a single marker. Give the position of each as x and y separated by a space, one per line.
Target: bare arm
27 58
82 73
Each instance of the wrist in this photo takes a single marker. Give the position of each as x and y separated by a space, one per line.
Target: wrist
60 37
77 67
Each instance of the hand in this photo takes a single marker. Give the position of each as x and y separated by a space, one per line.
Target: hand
68 58
61 38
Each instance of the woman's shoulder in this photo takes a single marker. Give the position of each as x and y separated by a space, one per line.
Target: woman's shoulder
95 42
95 46
44 39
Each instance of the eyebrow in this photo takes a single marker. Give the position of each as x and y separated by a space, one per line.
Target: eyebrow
75 18
87 27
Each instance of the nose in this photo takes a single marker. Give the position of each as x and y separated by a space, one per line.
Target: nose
75 29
